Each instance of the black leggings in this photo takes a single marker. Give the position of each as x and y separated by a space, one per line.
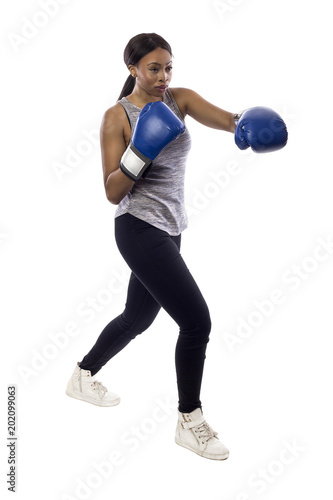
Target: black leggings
159 278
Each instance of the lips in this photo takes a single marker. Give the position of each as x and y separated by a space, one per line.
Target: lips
162 87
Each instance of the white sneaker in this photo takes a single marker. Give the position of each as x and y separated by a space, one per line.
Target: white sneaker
83 386
196 435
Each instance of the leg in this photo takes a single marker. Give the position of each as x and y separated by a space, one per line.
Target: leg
140 311
155 259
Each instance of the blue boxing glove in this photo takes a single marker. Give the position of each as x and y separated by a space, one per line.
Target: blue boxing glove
156 127
262 129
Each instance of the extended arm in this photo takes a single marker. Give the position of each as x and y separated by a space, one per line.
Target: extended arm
203 111
260 128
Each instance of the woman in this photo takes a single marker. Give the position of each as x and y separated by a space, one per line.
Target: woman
149 220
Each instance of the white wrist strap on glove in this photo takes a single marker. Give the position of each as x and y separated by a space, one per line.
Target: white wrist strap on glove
133 163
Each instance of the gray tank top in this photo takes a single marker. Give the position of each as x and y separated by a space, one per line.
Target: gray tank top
159 198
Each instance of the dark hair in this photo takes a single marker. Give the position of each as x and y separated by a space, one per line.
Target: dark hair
138 47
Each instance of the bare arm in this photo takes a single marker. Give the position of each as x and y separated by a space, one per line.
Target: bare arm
203 111
113 145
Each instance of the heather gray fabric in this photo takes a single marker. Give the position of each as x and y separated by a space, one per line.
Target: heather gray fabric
159 197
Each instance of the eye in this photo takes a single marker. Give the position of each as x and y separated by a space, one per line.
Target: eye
169 68
154 69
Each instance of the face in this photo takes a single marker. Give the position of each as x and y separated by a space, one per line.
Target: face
153 73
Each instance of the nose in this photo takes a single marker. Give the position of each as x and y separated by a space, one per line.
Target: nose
163 76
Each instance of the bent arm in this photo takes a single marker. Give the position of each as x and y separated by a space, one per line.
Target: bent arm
113 145
206 113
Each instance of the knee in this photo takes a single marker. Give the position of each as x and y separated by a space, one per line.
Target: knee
204 321
199 328
132 328
206 327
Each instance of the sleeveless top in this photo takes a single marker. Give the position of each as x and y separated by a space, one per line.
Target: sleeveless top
159 197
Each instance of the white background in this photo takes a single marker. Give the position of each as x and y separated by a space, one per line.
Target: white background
270 389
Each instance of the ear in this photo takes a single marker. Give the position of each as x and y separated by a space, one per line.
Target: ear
132 70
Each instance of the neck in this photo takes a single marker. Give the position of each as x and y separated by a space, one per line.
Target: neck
140 97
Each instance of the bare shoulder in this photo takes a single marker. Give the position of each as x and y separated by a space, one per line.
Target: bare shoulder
115 124
114 116
183 97
203 111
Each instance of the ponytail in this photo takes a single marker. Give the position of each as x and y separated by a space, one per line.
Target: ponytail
128 87
138 47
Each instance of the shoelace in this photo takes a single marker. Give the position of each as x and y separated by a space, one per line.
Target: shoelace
205 431
100 388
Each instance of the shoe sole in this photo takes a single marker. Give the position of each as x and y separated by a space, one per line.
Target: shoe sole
93 402
202 453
